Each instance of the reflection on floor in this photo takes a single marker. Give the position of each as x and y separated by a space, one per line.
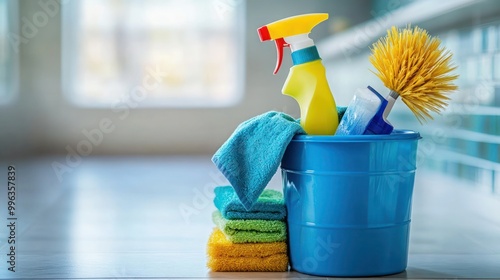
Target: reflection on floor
112 217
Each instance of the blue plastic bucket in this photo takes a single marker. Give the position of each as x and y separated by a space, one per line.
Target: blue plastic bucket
349 202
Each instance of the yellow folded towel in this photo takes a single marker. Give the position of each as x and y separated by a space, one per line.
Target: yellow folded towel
224 255
274 263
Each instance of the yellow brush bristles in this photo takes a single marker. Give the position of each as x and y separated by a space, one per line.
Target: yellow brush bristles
412 63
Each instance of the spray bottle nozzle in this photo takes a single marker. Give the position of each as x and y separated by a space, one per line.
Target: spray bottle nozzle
280 30
264 34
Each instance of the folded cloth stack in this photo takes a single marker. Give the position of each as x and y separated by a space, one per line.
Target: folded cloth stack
248 240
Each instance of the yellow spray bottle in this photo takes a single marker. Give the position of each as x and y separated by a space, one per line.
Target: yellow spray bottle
306 81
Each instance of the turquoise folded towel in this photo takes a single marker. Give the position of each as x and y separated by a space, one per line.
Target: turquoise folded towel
251 156
269 206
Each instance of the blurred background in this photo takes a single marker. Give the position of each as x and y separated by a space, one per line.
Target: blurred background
138 88
176 77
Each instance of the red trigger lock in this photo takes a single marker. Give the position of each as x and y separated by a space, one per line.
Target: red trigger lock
280 44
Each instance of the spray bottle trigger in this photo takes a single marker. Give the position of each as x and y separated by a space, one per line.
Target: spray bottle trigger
280 44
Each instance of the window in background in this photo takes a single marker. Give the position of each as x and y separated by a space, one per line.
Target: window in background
7 51
153 53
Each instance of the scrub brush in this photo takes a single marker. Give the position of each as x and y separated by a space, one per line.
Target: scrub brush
413 65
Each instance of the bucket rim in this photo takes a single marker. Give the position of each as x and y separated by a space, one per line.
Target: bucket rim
397 134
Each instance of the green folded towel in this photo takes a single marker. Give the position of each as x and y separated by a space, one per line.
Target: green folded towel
246 231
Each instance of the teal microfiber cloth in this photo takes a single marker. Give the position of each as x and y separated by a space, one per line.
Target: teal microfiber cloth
250 231
251 156
269 206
